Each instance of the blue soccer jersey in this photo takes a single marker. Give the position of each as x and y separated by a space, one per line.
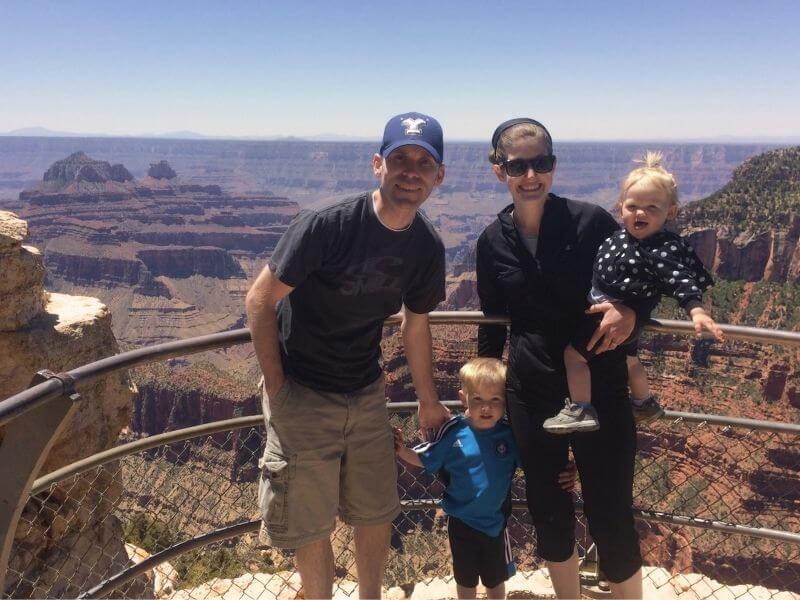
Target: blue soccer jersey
479 464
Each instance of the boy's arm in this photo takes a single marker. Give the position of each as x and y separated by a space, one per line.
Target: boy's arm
405 453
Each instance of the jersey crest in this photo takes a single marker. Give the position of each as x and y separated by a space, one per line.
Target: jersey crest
501 448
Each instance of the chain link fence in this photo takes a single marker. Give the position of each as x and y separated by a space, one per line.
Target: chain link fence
88 527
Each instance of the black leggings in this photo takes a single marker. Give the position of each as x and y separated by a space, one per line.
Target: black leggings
605 461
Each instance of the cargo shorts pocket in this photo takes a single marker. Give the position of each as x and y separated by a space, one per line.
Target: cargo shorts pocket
270 406
273 491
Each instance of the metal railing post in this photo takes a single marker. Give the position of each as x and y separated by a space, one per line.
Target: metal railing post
25 446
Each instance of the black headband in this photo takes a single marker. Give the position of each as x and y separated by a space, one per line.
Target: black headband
510 123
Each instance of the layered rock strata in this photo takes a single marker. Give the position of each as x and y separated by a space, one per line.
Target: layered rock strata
767 256
170 258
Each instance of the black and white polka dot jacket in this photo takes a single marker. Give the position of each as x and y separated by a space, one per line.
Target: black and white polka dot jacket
635 271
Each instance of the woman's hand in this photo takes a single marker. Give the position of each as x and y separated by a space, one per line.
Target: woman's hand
567 477
616 327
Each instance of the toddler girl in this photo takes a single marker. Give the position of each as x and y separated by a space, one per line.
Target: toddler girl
636 266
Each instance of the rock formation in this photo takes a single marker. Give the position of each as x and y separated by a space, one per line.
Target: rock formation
67 539
163 576
78 167
161 170
750 229
22 294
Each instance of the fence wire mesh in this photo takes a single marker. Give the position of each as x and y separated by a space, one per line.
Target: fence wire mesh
91 526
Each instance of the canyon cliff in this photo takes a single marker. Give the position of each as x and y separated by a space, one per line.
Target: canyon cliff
749 230
60 547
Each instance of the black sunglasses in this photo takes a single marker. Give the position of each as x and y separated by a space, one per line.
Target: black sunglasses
520 166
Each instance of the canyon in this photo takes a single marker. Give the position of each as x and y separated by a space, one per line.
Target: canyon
170 259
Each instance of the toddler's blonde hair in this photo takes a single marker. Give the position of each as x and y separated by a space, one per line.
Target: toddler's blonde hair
482 371
651 173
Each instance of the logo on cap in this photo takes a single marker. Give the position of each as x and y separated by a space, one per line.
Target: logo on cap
412 126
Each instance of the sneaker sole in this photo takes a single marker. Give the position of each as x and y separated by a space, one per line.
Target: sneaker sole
563 429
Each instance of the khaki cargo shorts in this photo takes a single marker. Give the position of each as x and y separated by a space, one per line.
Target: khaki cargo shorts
326 453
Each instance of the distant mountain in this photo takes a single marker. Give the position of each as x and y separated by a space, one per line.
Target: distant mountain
42 132
179 135
186 135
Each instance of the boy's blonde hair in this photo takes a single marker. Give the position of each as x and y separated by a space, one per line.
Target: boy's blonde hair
482 371
652 173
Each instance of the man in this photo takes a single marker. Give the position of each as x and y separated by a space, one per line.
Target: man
336 274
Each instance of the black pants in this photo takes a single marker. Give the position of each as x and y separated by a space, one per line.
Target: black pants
605 461
477 555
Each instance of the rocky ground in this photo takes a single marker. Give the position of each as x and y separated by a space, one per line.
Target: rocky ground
658 585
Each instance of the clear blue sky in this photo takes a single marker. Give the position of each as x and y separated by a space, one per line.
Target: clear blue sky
589 70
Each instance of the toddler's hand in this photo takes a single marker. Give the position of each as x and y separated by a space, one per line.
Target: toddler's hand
702 320
567 477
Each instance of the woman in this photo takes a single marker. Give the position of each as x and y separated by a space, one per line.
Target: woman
534 264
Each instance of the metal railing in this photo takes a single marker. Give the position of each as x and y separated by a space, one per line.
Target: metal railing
720 518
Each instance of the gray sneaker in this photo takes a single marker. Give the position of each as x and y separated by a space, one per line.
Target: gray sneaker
572 418
647 411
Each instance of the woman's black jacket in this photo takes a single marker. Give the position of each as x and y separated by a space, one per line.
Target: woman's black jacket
545 296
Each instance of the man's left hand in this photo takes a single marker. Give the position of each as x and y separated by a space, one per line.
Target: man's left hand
432 415
616 327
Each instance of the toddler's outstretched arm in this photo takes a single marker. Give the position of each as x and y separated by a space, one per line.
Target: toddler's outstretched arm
702 320
405 453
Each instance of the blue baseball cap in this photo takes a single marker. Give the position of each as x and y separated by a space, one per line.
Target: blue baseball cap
413 129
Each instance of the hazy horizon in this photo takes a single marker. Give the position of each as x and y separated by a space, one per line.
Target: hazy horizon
38 132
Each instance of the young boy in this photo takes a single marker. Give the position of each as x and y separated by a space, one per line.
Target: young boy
477 457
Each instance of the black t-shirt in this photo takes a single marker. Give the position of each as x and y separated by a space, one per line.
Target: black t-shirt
350 272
